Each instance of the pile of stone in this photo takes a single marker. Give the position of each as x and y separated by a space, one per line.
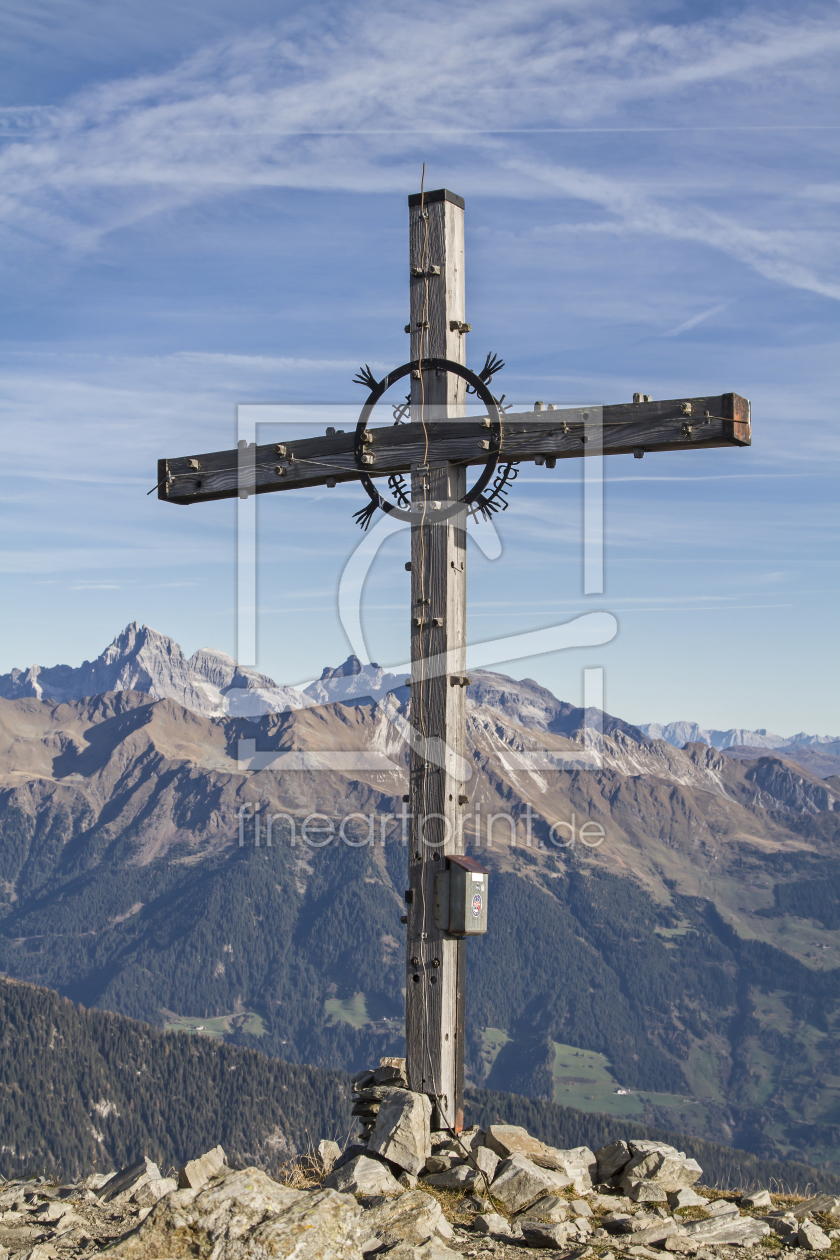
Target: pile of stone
370 1088
410 1193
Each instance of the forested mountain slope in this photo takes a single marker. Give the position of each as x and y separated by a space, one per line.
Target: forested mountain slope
84 1091
692 958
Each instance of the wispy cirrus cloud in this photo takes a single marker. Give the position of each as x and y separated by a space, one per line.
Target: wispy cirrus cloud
344 106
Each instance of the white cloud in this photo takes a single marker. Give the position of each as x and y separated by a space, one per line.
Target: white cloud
344 105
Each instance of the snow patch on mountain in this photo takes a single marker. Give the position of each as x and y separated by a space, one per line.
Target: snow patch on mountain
681 733
141 659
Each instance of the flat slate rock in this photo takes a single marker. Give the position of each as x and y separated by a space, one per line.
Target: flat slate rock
743 1231
462 1176
820 1203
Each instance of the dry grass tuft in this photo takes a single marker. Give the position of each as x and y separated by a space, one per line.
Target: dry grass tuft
302 1172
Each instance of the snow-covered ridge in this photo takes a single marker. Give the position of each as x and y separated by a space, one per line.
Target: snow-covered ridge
681 733
211 683
140 659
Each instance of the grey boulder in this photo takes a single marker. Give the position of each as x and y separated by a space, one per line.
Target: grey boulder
364 1176
148 1192
550 1210
459 1177
328 1153
670 1171
647 1192
128 1178
578 1164
493 1224
242 1215
401 1133
757 1199
784 1224
611 1159
812 1238
520 1182
413 1218
656 1233
687 1197
197 1172
538 1234
486 1161
723 1207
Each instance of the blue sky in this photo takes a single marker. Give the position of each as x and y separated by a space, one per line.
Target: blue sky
202 206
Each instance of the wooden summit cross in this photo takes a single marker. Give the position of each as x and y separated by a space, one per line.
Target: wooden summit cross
434 449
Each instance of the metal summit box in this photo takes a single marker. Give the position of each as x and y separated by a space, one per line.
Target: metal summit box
461 897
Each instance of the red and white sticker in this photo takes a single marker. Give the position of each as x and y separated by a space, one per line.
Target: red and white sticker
477 904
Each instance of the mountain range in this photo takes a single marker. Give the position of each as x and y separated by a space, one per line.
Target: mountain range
691 959
211 683
681 733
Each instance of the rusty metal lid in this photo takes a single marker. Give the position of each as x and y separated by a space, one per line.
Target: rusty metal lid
467 863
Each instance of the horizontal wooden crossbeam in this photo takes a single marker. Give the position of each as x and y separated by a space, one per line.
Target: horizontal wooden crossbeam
571 432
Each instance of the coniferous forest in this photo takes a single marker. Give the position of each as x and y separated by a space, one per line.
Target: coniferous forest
84 1091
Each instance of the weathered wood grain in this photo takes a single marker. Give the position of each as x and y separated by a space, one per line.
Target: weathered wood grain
434 1007
438 784
627 428
436 256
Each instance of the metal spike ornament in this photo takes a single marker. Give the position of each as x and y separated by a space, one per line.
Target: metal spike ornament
476 500
496 500
364 376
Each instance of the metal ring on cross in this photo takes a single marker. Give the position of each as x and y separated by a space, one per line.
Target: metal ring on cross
433 515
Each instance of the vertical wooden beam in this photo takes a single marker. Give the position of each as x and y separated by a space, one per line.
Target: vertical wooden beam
436 258
436 962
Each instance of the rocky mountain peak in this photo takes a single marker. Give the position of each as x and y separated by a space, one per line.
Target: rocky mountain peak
351 666
142 659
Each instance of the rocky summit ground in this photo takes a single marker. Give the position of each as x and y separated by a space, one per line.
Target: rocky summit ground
410 1192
